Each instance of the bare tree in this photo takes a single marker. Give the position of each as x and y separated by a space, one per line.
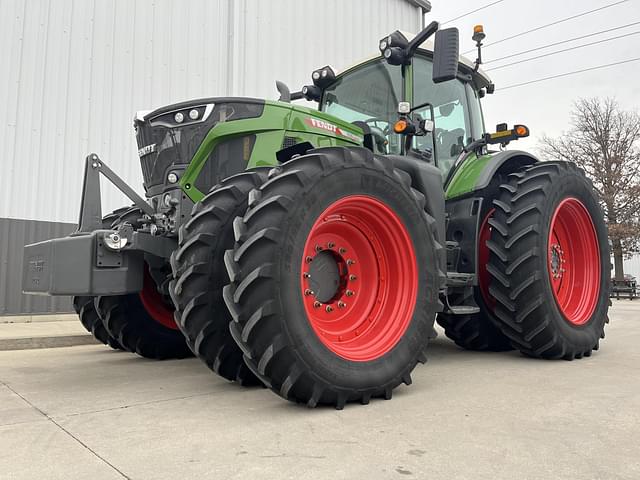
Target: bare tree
604 140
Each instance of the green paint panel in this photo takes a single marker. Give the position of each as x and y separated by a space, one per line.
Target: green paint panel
274 121
465 179
277 121
322 124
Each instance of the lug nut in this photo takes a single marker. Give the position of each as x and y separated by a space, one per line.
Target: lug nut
308 259
351 262
349 293
306 275
308 292
341 304
353 278
317 304
342 250
329 309
318 248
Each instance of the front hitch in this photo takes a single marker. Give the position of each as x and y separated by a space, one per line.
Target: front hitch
94 260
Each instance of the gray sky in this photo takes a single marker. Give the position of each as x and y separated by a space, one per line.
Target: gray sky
545 106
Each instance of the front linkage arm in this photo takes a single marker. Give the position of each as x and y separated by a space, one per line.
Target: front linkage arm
91 203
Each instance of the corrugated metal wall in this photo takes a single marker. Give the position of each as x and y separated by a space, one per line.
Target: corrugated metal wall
73 73
13 235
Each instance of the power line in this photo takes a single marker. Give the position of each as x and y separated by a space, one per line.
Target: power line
561 42
551 24
562 51
598 67
472 11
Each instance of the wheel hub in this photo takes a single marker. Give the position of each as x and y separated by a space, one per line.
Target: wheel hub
556 259
328 277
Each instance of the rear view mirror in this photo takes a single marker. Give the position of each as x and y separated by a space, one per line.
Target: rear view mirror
446 52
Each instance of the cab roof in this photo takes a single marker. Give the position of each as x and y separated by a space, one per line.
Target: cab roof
480 77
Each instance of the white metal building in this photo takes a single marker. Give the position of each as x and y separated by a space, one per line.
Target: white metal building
75 71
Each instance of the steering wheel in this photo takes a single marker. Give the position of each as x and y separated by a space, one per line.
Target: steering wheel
375 120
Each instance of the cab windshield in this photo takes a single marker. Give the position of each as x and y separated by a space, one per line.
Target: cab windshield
369 94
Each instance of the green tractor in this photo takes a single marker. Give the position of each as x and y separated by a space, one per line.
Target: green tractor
312 250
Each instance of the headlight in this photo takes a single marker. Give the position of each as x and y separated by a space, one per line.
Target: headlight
172 177
179 117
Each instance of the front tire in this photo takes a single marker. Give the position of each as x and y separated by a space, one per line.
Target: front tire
199 276
90 320
143 322
334 278
84 305
550 262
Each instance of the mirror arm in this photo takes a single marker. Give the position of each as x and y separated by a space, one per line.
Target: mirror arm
419 39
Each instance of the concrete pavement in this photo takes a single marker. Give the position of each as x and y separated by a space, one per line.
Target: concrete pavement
90 412
65 332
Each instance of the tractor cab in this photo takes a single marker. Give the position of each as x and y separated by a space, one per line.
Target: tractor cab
371 92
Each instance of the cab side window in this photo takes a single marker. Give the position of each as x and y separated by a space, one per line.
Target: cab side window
451 113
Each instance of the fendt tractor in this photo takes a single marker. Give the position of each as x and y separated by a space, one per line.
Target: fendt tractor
312 250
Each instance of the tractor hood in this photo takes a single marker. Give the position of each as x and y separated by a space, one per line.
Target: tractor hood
169 136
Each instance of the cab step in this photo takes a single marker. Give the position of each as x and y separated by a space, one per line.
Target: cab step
455 279
464 310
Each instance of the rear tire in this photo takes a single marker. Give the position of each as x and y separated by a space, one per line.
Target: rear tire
199 276
549 262
478 331
389 295
474 332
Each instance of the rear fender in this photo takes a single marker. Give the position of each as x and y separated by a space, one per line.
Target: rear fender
476 173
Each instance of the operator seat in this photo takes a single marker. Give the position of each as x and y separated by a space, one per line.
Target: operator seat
450 144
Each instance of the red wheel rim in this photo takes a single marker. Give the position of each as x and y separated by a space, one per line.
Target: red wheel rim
376 279
484 279
573 259
155 304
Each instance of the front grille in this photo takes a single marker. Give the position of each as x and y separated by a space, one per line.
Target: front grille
163 144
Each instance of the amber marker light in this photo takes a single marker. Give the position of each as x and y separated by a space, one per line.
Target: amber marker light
400 126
